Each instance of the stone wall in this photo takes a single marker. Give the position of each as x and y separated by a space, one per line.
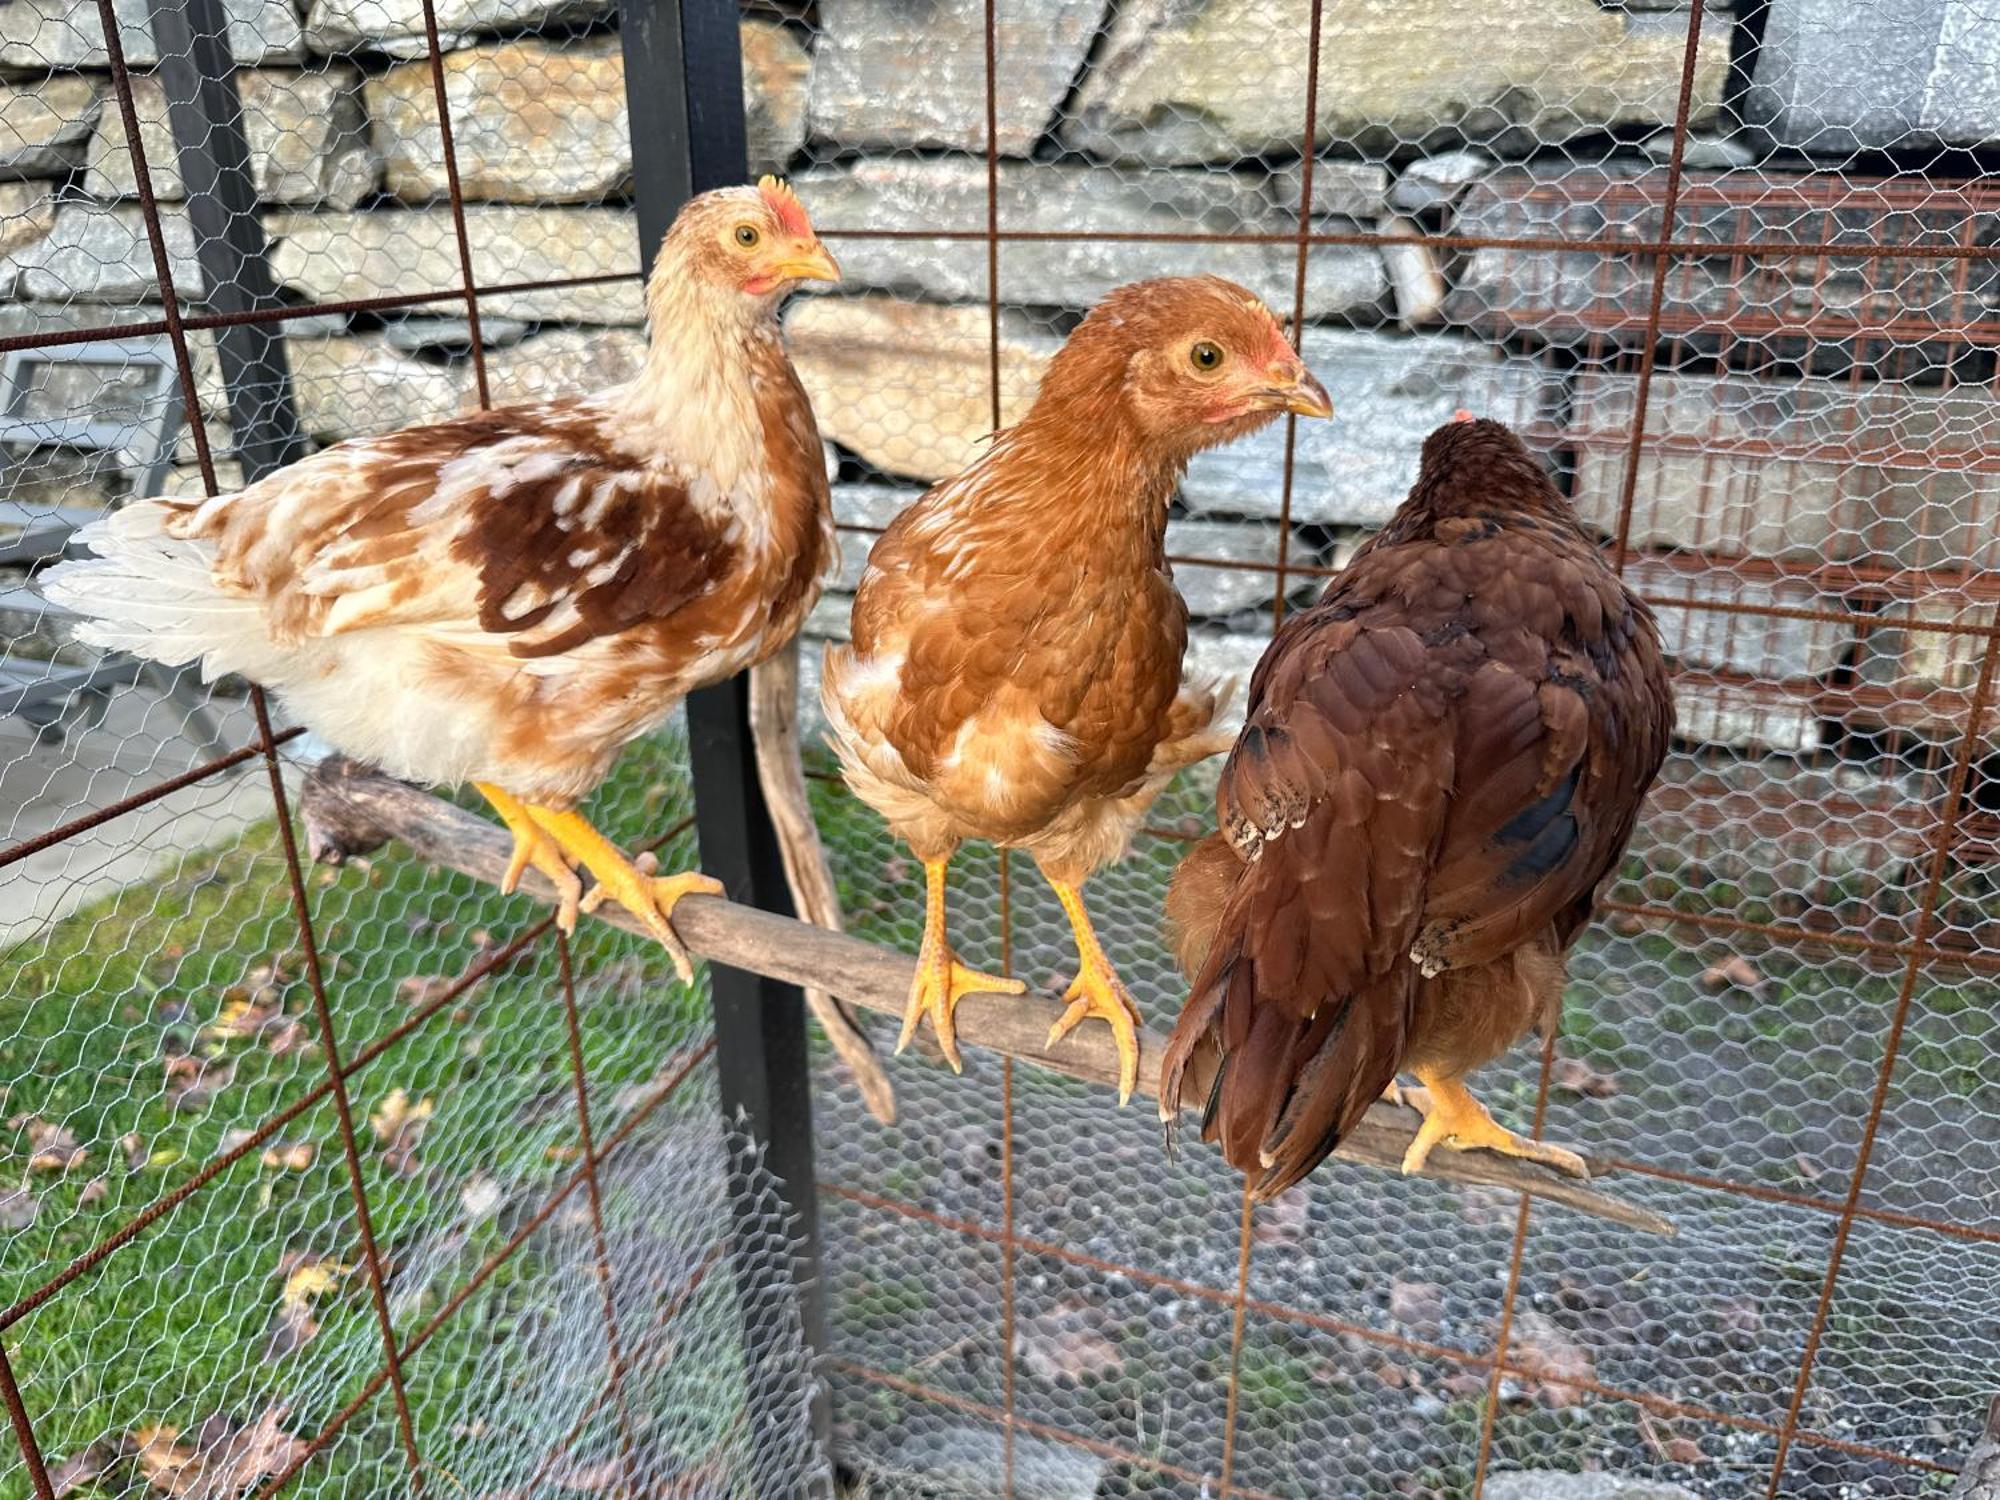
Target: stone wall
1783 432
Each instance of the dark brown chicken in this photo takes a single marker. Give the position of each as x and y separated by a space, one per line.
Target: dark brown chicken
1443 757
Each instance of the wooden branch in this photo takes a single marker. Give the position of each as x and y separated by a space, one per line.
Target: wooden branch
774 728
879 980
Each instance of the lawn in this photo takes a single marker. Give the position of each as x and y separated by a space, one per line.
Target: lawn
143 1035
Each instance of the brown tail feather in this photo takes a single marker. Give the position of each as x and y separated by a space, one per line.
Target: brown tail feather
1286 1090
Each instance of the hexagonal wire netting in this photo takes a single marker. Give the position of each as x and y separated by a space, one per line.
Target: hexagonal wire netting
359 1182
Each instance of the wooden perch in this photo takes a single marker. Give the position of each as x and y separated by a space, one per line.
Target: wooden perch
878 979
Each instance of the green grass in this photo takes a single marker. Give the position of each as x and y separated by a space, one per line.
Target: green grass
172 1328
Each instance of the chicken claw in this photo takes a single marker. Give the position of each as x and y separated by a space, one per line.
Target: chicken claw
533 846
649 897
941 979
1097 991
1456 1120
941 982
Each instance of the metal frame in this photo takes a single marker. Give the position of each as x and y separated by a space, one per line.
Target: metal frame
683 77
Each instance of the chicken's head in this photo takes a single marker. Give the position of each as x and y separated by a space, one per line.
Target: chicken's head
1194 361
754 242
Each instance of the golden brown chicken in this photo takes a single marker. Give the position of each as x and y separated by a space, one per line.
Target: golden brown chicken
511 597
1015 672
1443 758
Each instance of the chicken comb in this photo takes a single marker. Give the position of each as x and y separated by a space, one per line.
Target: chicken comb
1461 415
785 204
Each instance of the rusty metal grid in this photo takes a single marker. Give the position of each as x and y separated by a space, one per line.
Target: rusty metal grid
1249 1294
649 1151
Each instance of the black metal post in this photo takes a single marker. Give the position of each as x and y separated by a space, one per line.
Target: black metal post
684 92
206 112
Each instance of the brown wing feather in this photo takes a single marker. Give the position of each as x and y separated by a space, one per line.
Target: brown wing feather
1443 757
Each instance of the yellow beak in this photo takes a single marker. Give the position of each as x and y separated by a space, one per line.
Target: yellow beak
809 263
1303 394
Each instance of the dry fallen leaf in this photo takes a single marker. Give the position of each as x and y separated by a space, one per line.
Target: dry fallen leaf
94 1191
135 1150
1418 1306
417 989
399 1127
51 1147
1546 1351
1735 970
164 1463
1576 1076
18 1209
589 1479
1064 1347
193 1082
83 1469
290 1156
307 1278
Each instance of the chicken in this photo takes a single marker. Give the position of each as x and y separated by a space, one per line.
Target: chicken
510 597
1442 759
1015 669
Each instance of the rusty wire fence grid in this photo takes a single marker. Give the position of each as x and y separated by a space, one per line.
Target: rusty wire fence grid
361 1182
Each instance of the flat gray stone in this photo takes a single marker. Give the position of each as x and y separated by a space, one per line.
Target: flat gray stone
421 331
1833 77
1703 153
397 26
1802 469
1388 394
950 193
45 127
906 385
353 386
560 362
338 257
776 74
1771 648
1438 181
1341 189
307 140
96 253
1555 1484
27 214
531 122
901 73
1563 296
56 34
1219 80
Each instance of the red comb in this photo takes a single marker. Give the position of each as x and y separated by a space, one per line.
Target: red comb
1461 415
791 213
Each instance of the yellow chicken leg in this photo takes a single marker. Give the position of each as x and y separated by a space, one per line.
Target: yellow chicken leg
1097 991
649 897
534 847
941 979
1453 1118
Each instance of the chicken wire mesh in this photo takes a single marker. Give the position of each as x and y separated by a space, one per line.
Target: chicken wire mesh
1731 272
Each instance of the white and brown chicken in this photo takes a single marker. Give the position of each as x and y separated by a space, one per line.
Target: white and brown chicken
511 597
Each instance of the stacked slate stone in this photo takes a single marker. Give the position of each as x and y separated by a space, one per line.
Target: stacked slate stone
1805 409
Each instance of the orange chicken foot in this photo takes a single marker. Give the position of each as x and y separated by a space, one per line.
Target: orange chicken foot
1456 1120
1097 991
649 897
942 981
534 847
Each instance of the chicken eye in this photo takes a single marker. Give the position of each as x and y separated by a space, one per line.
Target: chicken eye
1205 356
747 236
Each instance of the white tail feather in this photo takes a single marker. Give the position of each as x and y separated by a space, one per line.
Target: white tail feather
154 595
